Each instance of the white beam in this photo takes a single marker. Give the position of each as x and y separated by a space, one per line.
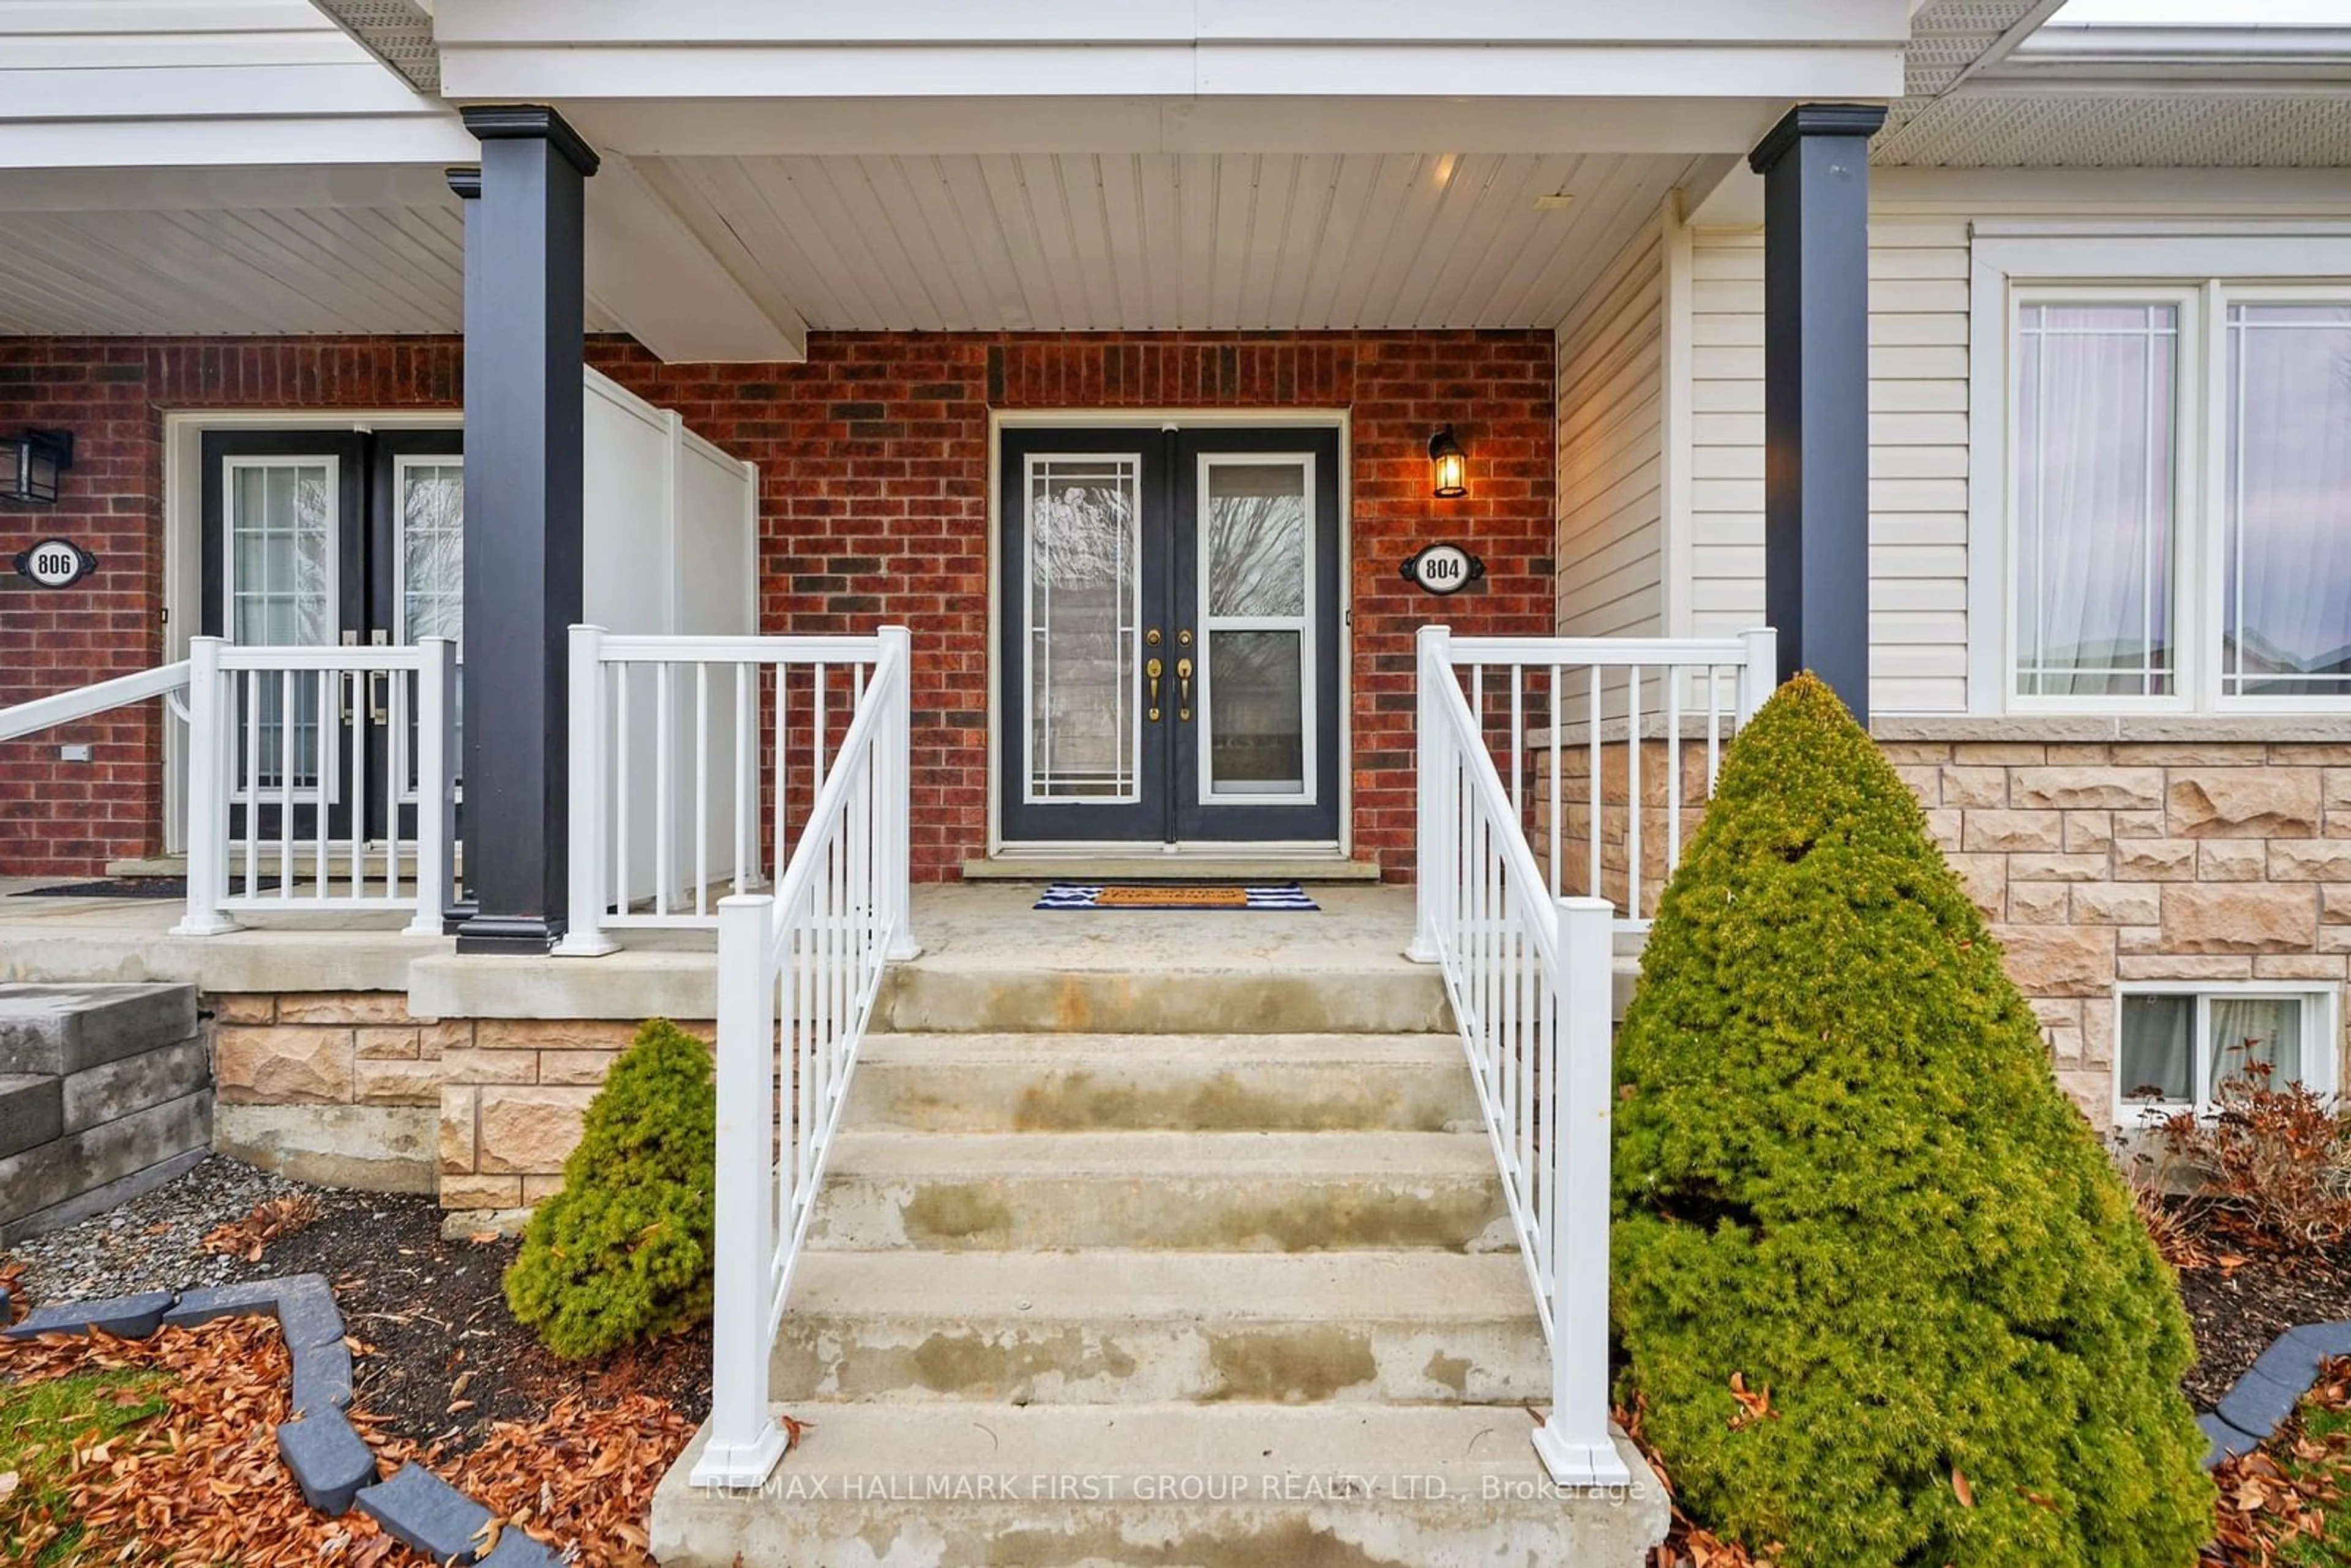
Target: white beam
649 273
436 140
678 128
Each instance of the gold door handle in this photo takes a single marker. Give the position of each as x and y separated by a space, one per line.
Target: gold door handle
1153 669
379 695
1184 690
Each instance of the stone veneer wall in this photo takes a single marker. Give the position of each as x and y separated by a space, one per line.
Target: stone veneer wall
349 1087
2095 862
2142 861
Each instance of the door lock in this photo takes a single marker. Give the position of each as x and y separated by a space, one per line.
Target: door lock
1152 670
1184 684
1151 638
1184 638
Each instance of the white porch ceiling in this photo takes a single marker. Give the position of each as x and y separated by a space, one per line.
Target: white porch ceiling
1140 241
321 269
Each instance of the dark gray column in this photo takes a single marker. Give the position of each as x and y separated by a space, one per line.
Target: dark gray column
468 183
525 291
1815 169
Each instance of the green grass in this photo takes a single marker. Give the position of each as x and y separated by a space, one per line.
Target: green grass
40 1426
2330 1430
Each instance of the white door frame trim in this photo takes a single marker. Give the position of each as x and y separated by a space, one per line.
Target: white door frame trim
183 434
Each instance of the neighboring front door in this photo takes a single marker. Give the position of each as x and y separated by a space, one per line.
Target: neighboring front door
325 538
1170 623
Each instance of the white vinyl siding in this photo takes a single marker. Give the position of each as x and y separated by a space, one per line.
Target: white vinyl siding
1610 449
1918 456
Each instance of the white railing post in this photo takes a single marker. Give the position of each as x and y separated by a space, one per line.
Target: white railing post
208 793
435 822
591 828
896 872
1434 849
745 1440
1761 676
1574 1442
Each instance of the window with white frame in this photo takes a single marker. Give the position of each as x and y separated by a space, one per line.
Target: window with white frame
2178 1046
2180 495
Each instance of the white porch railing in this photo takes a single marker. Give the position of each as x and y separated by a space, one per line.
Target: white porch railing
1611 745
674 740
165 681
279 735
1529 972
797 973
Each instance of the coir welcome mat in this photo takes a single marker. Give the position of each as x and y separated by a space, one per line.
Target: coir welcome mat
1286 895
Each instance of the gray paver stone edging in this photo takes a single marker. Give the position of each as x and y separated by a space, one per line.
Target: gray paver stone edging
2265 1393
335 1469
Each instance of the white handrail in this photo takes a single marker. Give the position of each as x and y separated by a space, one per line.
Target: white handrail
86 702
275 733
674 742
1553 707
809 957
1529 977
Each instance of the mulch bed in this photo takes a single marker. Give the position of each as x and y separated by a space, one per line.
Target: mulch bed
2239 1308
442 1374
446 1359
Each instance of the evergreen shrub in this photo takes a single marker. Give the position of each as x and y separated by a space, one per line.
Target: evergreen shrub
623 1253
1847 1177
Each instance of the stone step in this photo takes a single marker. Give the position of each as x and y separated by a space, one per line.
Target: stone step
1347 992
66 1028
1258 1192
1108 1326
1076 1082
1100 1485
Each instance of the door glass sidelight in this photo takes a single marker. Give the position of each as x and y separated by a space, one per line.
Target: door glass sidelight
429 495
1083 612
279 571
1257 561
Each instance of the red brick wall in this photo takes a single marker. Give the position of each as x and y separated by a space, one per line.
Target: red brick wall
873 474
873 462
68 819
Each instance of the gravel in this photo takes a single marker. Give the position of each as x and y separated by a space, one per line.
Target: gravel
153 1242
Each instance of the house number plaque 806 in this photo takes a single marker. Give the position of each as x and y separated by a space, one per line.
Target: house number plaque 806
56 564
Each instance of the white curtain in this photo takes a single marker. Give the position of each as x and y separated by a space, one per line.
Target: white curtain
2262 1028
2095 442
2287 579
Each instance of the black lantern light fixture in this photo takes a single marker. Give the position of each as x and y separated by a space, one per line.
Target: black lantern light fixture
30 463
1449 464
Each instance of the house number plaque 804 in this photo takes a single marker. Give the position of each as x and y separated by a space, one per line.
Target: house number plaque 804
1443 569
56 564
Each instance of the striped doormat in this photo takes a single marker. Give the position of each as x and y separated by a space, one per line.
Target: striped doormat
1283 895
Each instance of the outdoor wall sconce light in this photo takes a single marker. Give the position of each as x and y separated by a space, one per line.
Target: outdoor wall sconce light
1449 465
30 463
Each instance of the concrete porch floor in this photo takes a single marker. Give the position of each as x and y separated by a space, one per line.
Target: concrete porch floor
968 930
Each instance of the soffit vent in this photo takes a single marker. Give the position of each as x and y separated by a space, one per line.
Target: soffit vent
1947 39
2117 130
397 32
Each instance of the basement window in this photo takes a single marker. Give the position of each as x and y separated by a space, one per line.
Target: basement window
2178 1046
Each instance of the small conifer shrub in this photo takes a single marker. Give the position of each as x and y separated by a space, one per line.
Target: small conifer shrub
1885 1298
623 1253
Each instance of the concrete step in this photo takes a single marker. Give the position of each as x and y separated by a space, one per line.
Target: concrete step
1255 1191
1110 1326
1167 1486
1076 1082
1351 992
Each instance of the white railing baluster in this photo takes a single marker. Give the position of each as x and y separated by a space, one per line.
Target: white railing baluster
590 767
1557 789
208 792
665 829
330 741
435 762
747 773
622 750
1633 792
701 788
1529 973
